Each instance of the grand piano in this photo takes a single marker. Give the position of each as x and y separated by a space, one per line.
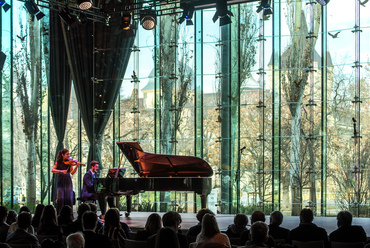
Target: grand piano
157 172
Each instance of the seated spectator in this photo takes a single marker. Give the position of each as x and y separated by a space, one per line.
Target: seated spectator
112 226
75 240
93 239
65 217
152 226
166 238
346 232
4 245
256 216
210 232
50 243
258 235
76 226
37 215
14 225
277 232
308 231
49 223
240 225
12 217
94 208
172 220
195 230
4 227
20 235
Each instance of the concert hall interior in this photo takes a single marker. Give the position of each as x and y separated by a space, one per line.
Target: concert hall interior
233 105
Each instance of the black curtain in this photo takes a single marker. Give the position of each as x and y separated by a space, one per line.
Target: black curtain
98 56
59 85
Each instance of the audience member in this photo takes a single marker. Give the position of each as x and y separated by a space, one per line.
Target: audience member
346 232
166 238
112 226
12 217
195 230
239 226
210 232
308 231
14 225
256 216
48 222
152 226
76 226
275 230
20 235
37 215
4 227
172 220
75 240
50 243
258 235
94 208
93 239
65 217
4 245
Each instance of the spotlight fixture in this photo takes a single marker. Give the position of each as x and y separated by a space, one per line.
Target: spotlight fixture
222 12
82 18
67 17
84 4
6 7
33 9
265 5
126 21
148 19
187 14
2 60
323 2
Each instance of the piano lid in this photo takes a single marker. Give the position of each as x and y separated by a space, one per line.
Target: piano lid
159 165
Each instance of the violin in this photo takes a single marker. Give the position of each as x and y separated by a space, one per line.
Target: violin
72 162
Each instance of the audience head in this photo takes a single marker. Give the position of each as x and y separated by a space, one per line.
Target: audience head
50 243
75 240
172 219
306 215
209 226
241 220
112 218
202 212
3 213
82 209
93 207
49 215
38 210
344 218
65 215
276 218
12 217
258 216
24 209
89 220
24 220
166 238
259 232
153 223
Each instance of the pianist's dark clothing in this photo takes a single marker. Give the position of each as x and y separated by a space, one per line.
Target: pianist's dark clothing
182 240
4 227
349 234
21 236
278 232
308 232
88 185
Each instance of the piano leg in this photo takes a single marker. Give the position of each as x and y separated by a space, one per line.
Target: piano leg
102 200
203 200
129 203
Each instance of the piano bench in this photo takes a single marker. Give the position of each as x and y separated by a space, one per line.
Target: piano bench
86 200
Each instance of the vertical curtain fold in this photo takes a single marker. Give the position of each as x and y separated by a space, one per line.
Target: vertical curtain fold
59 85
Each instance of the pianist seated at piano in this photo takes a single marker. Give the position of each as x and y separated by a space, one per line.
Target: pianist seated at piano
88 192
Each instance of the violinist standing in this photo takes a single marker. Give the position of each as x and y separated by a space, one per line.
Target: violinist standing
64 168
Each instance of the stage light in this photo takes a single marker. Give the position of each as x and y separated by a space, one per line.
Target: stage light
265 5
2 60
126 21
148 19
323 2
222 12
67 17
187 14
84 4
33 9
82 18
6 7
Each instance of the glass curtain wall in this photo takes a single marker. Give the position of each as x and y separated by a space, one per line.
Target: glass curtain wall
276 104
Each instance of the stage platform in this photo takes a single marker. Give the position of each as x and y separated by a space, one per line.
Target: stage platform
137 221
